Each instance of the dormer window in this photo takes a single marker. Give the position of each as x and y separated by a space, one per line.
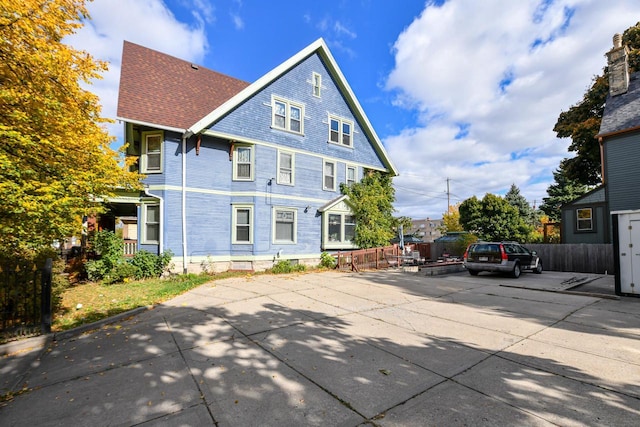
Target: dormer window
287 115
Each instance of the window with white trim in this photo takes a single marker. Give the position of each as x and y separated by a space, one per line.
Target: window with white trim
340 131
584 219
352 174
243 163
329 175
287 115
284 225
242 224
341 228
286 167
317 84
150 224
151 158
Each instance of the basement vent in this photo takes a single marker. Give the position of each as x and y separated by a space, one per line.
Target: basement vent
242 265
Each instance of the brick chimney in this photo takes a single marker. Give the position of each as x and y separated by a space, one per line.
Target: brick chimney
618 67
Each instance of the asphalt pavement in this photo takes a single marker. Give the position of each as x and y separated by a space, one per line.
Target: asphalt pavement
386 348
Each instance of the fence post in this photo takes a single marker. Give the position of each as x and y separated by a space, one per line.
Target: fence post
46 297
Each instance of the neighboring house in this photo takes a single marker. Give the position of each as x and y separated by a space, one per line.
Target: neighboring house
426 230
241 175
586 219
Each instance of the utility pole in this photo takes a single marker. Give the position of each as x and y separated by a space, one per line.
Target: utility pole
448 196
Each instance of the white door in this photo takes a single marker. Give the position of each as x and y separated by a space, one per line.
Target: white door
629 235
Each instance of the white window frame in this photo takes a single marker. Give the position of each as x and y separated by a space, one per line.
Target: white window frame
293 168
145 223
316 82
340 133
274 224
235 225
324 175
342 240
144 157
584 219
288 105
355 174
236 162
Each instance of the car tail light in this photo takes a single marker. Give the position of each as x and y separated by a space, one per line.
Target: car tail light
466 252
503 254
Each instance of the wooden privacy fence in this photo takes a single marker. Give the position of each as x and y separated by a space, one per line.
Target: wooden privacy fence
578 258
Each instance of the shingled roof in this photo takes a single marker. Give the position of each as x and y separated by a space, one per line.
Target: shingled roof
159 89
622 112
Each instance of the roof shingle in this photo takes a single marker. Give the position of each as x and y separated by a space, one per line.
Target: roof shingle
160 89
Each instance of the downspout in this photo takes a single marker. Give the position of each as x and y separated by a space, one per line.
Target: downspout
185 136
161 219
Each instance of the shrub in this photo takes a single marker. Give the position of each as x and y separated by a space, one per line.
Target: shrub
327 260
285 266
150 265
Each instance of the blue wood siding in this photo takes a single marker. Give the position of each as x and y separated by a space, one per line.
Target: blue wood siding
211 191
252 119
622 157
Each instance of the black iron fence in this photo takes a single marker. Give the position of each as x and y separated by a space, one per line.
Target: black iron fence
25 299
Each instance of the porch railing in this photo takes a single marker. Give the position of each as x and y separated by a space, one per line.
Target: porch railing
130 247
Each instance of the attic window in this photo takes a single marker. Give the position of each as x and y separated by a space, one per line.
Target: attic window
287 115
317 84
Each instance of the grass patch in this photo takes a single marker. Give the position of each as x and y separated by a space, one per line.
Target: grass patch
89 302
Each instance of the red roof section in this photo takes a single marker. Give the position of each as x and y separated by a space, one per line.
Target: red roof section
160 89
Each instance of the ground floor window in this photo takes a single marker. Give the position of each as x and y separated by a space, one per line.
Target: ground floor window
151 224
584 219
284 225
342 228
242 227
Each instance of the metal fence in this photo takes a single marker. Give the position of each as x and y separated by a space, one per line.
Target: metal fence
25 299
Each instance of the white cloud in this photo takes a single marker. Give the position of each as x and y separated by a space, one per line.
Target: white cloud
489 80
146 22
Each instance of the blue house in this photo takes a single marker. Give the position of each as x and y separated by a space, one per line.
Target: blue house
239 175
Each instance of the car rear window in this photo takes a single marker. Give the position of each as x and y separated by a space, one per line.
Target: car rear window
486 247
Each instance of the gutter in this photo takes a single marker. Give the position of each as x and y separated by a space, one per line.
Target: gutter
185 136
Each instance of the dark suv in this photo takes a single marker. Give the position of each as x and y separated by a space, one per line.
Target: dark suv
503 257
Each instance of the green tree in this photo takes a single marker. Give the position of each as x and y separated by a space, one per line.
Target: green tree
564 190
493 218
371 201
581 122
55 155
518 201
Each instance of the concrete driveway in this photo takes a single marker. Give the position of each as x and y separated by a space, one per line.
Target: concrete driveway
345 349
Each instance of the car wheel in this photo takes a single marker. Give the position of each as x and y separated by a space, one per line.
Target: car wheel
538 269
473 272
516 271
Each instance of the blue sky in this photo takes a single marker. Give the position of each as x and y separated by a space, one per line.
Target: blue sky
457 89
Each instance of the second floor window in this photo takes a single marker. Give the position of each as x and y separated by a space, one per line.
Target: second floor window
151 159
243 163
351 175
287 115
285 168
329 176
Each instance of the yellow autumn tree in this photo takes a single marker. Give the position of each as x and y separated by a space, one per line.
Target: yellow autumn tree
55 157
451 220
